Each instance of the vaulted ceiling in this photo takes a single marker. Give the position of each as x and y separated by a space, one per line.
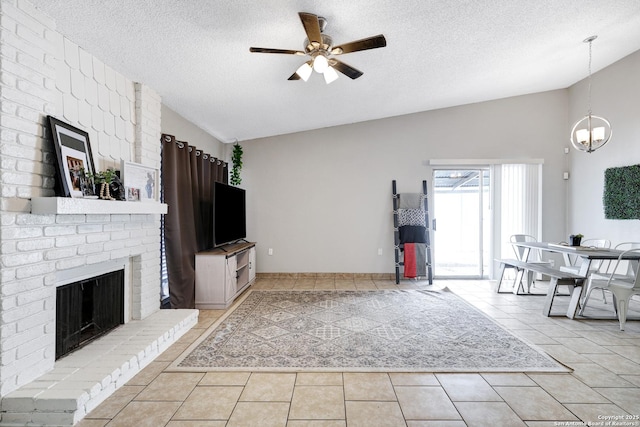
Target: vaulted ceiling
439 54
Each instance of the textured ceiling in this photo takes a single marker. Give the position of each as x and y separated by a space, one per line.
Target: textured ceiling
195 54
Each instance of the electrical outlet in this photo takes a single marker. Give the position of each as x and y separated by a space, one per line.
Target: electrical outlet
270 251
379 251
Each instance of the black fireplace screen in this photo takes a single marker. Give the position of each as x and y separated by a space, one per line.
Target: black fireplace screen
88 309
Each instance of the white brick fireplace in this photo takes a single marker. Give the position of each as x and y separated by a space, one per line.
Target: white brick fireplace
42 73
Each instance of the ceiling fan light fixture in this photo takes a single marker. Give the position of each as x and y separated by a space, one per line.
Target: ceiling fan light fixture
320 63
330 75
304 71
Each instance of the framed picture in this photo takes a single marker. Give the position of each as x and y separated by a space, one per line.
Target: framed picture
143 178
133 194
75 161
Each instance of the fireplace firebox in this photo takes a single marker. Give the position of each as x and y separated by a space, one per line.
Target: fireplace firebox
88 309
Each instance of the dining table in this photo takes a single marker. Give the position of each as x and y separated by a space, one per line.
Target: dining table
580 258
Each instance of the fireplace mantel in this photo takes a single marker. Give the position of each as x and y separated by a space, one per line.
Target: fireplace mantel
75 206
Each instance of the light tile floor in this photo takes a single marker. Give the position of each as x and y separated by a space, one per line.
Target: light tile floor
605 384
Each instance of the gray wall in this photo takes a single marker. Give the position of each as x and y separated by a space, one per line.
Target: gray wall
615 95
176 125
322 199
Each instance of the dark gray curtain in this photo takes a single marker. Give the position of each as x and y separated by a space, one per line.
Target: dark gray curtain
188 175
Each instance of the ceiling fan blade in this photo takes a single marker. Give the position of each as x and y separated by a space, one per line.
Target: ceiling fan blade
345 69
363 44
311 27
294 76
270 50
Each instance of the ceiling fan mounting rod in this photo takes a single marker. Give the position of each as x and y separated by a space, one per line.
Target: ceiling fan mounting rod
322 22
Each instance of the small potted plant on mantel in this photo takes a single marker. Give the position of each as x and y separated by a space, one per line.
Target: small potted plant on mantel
104 179
575 239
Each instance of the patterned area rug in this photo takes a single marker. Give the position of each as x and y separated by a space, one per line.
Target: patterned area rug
349 331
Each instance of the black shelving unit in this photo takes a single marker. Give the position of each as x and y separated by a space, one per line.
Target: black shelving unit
399 247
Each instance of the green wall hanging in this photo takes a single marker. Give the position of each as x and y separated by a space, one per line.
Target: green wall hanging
621 198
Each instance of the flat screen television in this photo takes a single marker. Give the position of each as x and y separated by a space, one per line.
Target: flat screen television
229 214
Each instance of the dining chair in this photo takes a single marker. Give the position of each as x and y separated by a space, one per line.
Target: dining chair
595 264
573 266
534 256
605 269
600 244
623 288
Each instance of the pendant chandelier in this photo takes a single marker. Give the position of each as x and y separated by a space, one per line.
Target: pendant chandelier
590 132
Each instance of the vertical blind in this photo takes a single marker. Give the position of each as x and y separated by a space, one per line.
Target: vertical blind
521 203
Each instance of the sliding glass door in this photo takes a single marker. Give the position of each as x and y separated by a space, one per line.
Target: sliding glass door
461 212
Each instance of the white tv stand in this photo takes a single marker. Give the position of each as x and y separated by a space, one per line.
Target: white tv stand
224 273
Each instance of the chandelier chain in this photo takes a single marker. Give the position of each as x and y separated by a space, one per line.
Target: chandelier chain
589 81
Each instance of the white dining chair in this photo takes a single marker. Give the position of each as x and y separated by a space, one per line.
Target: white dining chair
624 271
628 271
535 256
623 287
574 266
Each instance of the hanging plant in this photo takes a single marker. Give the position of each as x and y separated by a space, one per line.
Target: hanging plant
236 159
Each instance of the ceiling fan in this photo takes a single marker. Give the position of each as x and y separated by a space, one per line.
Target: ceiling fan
320 48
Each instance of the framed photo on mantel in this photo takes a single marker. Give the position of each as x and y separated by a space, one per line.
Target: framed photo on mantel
140 182
74 158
